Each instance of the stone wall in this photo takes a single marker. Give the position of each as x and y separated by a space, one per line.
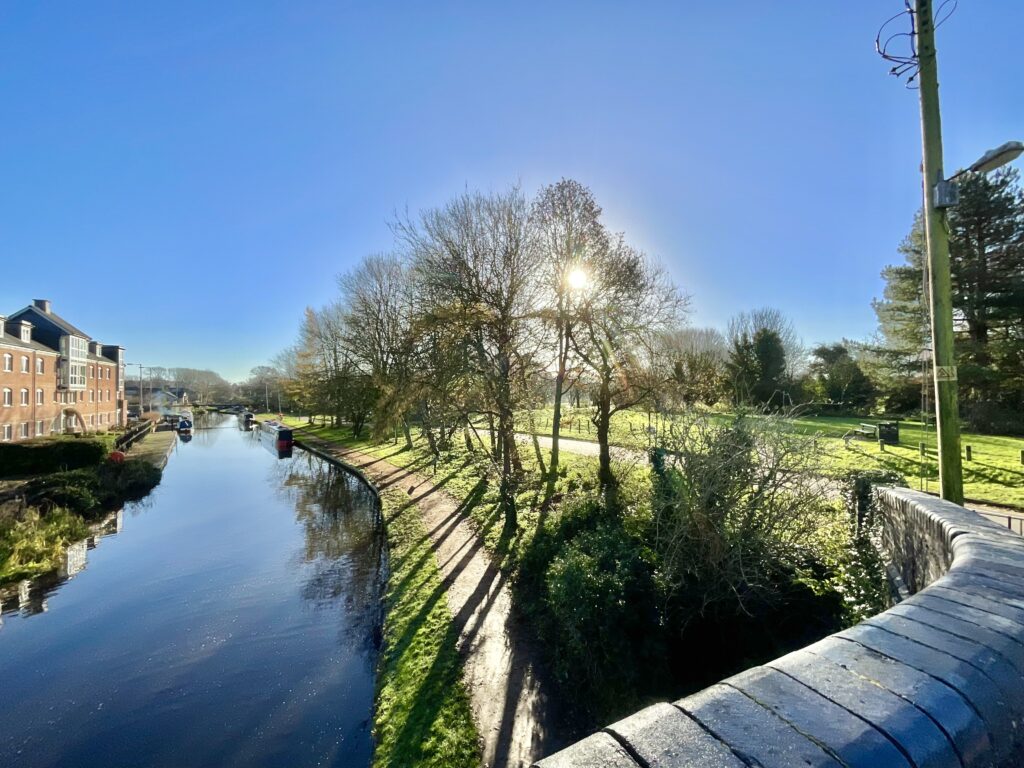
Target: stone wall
935 681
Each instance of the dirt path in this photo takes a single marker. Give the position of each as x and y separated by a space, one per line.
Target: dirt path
514 715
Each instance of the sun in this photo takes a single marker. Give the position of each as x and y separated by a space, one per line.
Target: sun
577 279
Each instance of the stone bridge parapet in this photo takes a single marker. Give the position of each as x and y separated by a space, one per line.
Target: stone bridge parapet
937 681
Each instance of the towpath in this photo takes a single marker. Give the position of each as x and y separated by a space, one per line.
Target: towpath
511 705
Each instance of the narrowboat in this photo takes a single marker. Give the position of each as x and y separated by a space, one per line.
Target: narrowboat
185 422
279 433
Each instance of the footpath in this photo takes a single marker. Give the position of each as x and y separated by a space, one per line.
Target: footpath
155 447
513 712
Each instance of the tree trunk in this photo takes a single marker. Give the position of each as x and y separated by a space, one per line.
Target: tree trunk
408 433
556 419
507 441
602 421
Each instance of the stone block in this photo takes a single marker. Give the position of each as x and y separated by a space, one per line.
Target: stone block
942 703
664 737
905 725
1003 636
970 682
600 749
757 735
853 740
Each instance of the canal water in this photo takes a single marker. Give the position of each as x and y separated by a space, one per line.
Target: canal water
229 619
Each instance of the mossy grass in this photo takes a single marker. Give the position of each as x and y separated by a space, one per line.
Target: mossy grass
423 716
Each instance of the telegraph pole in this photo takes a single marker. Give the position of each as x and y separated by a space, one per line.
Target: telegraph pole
947 417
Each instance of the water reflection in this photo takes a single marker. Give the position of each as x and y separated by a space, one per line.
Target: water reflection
29 596
233 623
340 516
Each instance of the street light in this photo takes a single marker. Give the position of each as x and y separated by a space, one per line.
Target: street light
990 161
998 157
140 385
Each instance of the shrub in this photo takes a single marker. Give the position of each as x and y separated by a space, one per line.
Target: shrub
590 587
92 491
52 454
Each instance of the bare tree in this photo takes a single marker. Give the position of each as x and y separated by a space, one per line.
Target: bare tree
626 300
477 260
571 235
376 297
771 319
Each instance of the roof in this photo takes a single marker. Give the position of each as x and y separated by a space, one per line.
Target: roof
100 359
54 318
8 340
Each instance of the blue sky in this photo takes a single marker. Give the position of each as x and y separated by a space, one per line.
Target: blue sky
184 178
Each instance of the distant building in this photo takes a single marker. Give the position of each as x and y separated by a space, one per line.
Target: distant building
153 398
54 378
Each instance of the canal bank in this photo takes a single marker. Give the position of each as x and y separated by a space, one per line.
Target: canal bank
155 447
510 705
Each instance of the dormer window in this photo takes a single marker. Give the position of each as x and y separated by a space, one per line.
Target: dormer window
26 332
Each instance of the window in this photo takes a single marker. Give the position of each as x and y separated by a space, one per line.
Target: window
40 367
24 396
90 371
40 428
24 364
24 429
39 397
7 432
90 395
8 398
8 363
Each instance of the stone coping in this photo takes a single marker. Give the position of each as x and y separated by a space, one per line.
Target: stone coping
936 681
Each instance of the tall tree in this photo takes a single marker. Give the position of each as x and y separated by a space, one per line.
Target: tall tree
477 258
568 222
626 303
987 268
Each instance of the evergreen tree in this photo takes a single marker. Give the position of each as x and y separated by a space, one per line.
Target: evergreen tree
987 268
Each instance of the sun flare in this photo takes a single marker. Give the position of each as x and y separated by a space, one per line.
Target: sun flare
577 279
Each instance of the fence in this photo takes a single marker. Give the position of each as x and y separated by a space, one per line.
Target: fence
132 436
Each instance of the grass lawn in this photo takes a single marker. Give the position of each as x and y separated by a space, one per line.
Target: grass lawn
422 716
994 474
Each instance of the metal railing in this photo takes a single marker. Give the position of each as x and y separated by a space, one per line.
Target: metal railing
1013 523
132 436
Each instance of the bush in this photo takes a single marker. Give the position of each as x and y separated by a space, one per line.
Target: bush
993 419
589 585
92 491
52 454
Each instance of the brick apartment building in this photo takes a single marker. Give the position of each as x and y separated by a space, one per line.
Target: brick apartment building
54 378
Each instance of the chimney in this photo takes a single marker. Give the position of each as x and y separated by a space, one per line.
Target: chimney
42 304
94 347
3 320
25 331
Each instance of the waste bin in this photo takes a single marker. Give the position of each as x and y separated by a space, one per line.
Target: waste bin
889 432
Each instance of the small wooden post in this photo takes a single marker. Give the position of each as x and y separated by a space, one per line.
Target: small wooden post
881 446
968 453
924 451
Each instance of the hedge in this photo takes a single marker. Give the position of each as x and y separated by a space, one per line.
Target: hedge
41 456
